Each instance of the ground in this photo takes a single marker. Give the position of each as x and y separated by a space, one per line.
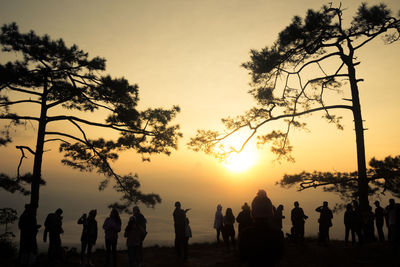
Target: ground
309 254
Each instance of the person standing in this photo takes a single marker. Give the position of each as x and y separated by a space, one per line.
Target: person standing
180 232
27 245
379 220
134 232
278 217
261 207
141 221
298 219
391 219
218 221
349 221
89 235
112 226
369 227
229 229
53 227
358 222
244 218
325 221
188 233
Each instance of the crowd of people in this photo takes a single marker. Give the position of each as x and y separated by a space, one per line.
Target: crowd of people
135 232
360 226
260 234
262 223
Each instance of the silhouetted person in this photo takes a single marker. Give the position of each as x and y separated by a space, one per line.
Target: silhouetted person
358 222
325 221
134 233
244 218
349 224
261 207
188 234
89 235
261 245
53 227
391 219
141 220
180 232
369 228
218 221
229 229
278 217
112 226
298 220
379 220
27 245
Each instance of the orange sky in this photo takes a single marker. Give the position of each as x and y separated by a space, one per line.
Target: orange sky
189 53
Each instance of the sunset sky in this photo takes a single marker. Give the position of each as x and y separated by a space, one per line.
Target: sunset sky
188 53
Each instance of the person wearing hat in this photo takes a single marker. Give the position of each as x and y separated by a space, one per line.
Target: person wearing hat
180 230
379 220
244 218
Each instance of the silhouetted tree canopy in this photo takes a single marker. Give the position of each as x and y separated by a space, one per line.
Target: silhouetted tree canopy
65 92
383 175
311 59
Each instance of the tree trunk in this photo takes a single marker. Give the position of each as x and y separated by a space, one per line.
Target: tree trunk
37 164
359 128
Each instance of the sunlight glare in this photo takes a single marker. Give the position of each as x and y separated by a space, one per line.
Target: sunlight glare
239 162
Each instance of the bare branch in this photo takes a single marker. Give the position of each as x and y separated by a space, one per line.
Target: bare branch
23 90
56 139
9 103
21 148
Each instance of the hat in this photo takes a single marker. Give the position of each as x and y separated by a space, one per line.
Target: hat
93 212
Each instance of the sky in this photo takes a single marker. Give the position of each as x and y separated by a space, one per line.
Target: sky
188 53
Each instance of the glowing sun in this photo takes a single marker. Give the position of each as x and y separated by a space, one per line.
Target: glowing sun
239 162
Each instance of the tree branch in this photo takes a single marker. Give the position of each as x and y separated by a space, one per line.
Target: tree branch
23 90
11 117
111 126
9 103
21 148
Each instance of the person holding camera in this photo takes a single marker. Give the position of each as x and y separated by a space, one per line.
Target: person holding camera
89 235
